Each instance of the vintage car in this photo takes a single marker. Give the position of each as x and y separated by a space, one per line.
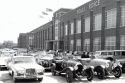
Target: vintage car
46 61
112 54
3 63
103 67
71 69
25 67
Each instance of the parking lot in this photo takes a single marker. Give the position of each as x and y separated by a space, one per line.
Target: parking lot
48 78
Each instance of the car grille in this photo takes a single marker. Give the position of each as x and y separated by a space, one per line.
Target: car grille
30 72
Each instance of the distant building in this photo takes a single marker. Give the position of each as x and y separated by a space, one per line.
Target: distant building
95 25
22 40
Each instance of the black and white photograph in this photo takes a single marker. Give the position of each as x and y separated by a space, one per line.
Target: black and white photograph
62 41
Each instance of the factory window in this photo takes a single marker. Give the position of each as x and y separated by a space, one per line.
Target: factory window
97 22
87 45
72 28
123 15
97 44
71 45
66 29
122 42
87 24
78 26
78 44
110 43
111 18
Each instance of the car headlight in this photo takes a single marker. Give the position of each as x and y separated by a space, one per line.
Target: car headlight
40 71
20 72
107 65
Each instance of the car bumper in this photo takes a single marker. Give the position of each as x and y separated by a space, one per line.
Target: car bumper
28 77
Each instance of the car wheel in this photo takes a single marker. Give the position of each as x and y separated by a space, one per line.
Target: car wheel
89 74
53 70
123 68
14 79
100 73
40 79
117 72
53 73
69 75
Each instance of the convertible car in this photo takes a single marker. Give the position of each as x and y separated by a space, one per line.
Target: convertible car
72 69
46 61
103 67
25 67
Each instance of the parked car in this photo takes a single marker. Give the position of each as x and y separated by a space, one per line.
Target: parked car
46 61
3 62
25 67
112 55
72 69
103 67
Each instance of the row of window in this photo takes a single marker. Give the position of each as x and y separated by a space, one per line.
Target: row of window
110 43
110 21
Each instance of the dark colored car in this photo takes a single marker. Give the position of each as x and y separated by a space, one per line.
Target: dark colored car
72 69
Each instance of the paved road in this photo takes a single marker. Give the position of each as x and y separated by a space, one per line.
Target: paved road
48 78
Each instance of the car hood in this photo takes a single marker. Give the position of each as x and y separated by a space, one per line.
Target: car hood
23 66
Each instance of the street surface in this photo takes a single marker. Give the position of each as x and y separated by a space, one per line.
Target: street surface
48 78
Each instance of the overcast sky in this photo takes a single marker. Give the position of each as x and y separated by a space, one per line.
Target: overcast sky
21 16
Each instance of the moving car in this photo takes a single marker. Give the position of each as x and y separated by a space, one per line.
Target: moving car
25 67
103 67
72 69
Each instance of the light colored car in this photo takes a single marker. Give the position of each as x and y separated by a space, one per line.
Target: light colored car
103 67
112 55
3 62
25 67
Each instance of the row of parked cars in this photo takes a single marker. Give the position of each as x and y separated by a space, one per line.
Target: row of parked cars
74 66
100 63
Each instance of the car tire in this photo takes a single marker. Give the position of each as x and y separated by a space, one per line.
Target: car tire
117 72
53 70
123 68
69 75
40 79
89 74
14 79
100 73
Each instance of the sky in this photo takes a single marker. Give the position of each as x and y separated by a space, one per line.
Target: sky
22 16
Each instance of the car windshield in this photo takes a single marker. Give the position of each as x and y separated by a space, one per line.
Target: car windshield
24 60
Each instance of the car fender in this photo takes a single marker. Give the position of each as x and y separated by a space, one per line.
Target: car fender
101 66
71 68
53 64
